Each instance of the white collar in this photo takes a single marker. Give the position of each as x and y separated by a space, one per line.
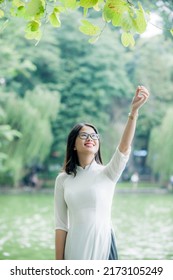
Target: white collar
92 164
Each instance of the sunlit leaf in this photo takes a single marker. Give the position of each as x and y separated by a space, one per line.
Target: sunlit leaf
117 20
85 12
113 10
126 21
35 7
33 35
108 13
121 13
58 9
97 7
35 25
32 31
88 3
54 20
127 39
140 20
171 30
88 28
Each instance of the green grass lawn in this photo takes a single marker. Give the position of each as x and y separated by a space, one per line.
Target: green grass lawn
143 225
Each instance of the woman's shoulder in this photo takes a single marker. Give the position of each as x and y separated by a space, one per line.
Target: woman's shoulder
61 178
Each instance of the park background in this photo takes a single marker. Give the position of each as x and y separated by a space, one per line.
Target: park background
47 88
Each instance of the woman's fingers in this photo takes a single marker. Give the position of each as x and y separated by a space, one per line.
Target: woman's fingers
144 89
142 92
140 97
137 91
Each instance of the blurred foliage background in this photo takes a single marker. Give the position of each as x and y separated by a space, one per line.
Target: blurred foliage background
46 89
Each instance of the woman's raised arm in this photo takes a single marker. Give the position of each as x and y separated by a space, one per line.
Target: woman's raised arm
138 101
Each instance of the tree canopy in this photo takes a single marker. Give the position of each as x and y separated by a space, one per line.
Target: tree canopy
161 151
31 118
80 82
130 17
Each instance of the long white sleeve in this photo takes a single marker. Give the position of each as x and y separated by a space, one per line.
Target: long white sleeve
61 215
116 165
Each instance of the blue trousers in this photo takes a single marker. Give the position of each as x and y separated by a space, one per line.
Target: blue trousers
113 250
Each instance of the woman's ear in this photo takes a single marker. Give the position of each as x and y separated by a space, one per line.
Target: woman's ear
74 149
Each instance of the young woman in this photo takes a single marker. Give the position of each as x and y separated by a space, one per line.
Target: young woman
85 188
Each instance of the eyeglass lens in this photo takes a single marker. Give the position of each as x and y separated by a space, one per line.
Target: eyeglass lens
84 135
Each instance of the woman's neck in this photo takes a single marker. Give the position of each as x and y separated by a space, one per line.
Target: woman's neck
85 160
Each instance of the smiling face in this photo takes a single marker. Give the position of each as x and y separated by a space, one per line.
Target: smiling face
81 151
88 145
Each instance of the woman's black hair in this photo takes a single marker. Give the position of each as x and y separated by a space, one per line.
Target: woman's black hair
71 158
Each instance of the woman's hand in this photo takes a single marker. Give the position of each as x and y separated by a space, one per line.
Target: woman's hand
140 98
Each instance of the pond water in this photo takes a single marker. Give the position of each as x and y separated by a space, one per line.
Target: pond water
143 225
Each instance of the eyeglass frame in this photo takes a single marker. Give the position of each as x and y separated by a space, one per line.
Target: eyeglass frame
89 135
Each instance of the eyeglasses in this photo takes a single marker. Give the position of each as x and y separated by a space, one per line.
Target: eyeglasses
85 135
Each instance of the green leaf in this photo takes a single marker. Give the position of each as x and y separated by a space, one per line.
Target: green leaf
171 30
99 5
54 20
19 12
89 29
114 9
32 31
88 3
33 35
35 25
58 9
126 21
85 12
108 13
1 13
35 7
18 9
140 22
127 39
117 20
